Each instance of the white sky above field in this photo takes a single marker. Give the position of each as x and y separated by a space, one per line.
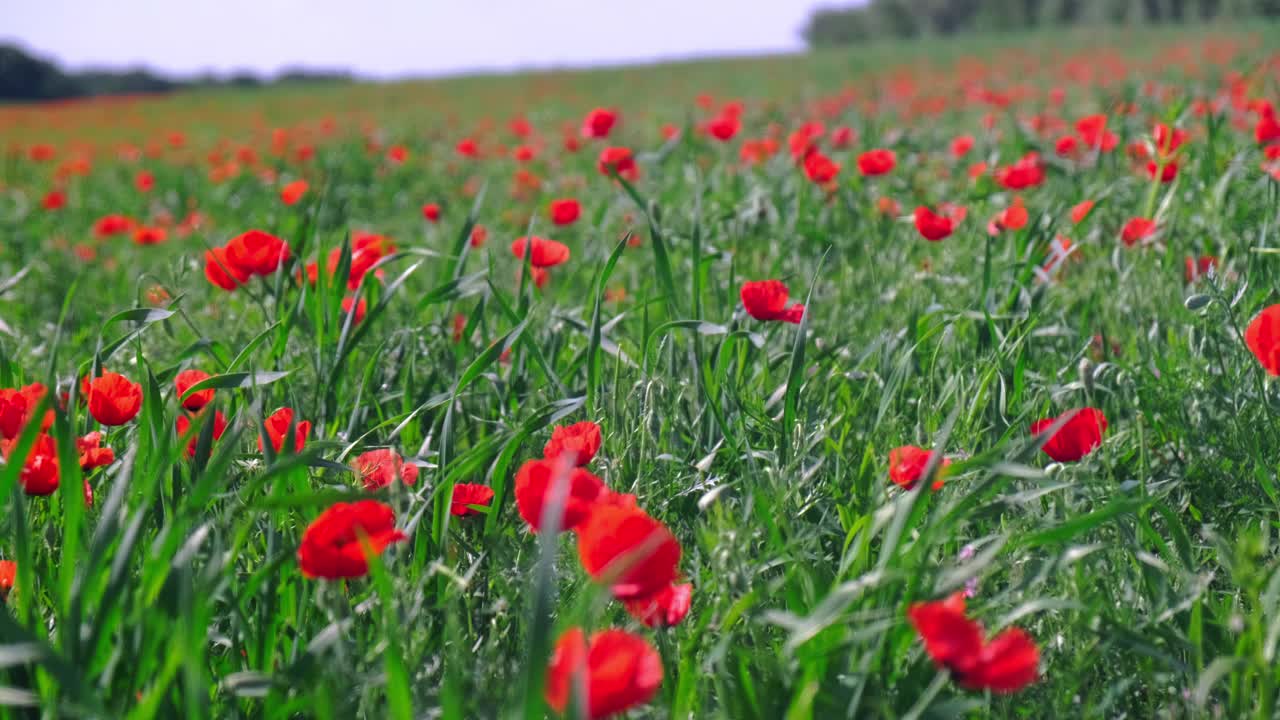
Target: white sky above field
388 38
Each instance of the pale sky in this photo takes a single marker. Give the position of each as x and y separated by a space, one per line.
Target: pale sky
388 38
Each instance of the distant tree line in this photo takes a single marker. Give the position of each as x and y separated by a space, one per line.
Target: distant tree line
27 77
909 18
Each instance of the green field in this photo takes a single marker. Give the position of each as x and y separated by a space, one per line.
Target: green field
1143 567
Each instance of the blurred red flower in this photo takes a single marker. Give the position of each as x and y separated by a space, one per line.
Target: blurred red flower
533 488
196 400
468 494
1196 268
767 300
907 465
876 162
820 169
255 252
1079 436
54 200
431 212
617 671
1262 337
625 548
599 123
1007 663
618 160
332 544
379 468
543 253
1026 172
564 211
935 226
578 442
220 271
665 608
1137 229
277 426
293 192
1081 211
183 425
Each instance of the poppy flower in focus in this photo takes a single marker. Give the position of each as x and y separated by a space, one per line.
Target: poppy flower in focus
820 169
8 576
1013 217
961 145
724 127
624 547
1009 662
220 271
618 160
579 442
113 398
256 252
39 474
543 253
907 465
937 226
1137 229
144 235
533 488
196 400
183 425
54 200
379 468
599 123
293 192
564 211
1262 337
876 162
767 300
467 494
665 608
91 453
332 545
1079 436
1081 211
1196 268
1026 172
617 671
109 225
277 429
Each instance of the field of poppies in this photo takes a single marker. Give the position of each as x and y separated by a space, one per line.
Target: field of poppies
924 382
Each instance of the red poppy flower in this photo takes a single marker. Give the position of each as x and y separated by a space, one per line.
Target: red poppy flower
843 137
379 468
1197 268
149 235
598 123
1006 664
54 200
524 153
724 127
665 608
1026 172
1079 436
1137 229
16 407
767 300
544 253
277 428
1167 172
109 225
564 211
619 160
468 148
431 212
467 494
196 400
1093 132
1267 130
579 441
144 181
183 425
92 454
39 474
907 465
533 488
256 253
1014 217
293 192
820 169
8 576
632 552
479 234
220 271
876 162
397 154
1167 139
1081 211
961 145
616 669
360 307
1262 337
113 398
1066 146
331 545
937 226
